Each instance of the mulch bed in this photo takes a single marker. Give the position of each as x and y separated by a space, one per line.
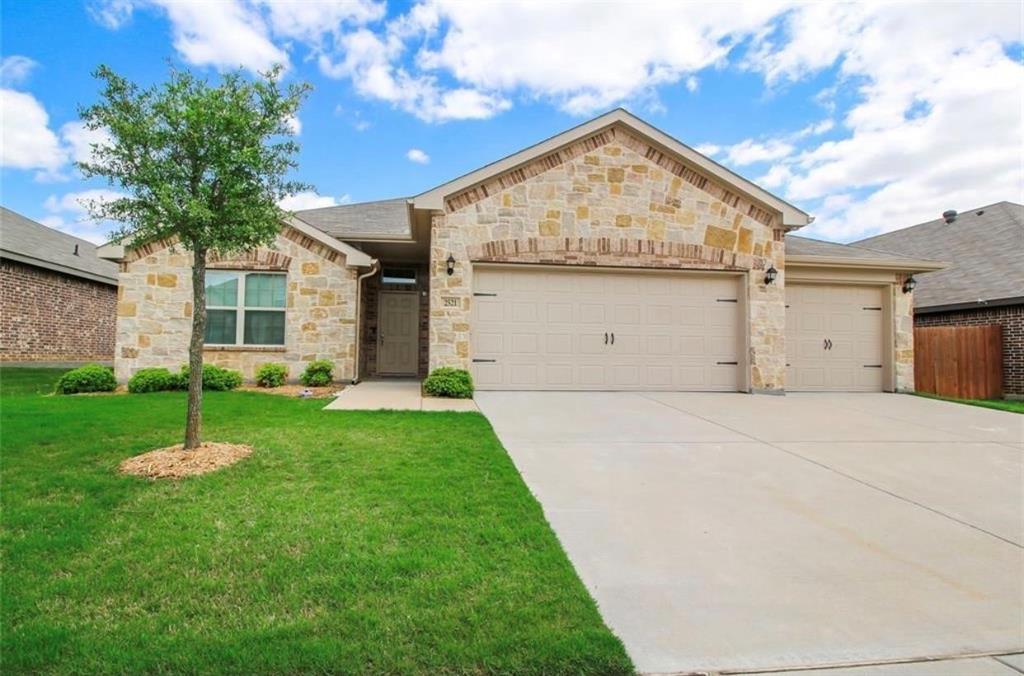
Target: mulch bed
296 390
174 463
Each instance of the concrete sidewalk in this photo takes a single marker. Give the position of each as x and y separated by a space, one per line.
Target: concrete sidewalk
394 395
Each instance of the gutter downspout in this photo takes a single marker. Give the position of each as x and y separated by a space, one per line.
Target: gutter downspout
374 269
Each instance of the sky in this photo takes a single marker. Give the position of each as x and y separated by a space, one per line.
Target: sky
870 116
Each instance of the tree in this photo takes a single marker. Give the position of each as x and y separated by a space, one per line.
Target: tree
203 164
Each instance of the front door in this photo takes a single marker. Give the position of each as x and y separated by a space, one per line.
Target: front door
398 333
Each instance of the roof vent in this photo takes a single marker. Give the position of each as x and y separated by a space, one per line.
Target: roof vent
76 249
949 215
980 212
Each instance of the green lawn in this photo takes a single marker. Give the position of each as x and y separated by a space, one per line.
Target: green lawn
998 404
27 380
350 542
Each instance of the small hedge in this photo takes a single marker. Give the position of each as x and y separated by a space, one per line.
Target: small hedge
449 382
88 378
152 380
271 375
214 378
319 373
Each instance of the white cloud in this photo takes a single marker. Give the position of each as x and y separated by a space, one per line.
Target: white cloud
931 128
111 14
692 84
69 213
15 69
28 141
418 156
310 22
294 124
222 34
750 151
310 199
584 56
78 140
777 176
709 149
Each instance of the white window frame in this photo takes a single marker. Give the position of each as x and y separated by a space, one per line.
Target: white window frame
240 308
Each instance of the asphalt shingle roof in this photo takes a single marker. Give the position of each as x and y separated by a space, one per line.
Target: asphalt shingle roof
24 240
384 219
985 249
803 246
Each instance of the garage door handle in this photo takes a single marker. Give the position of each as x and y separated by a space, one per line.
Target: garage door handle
605 337
613 339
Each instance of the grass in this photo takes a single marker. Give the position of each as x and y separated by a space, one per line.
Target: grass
999 404
350 542
28 380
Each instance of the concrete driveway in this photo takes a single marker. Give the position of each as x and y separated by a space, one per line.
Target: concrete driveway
729 532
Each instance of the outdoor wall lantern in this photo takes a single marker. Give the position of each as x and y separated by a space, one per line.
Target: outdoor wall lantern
909 285
451 265
770 274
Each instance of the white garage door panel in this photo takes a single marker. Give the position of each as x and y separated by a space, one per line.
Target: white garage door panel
850 318
546 329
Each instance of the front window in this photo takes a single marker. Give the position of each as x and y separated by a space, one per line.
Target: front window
403 276
245 308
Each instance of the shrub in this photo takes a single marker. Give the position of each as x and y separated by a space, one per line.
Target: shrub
152 380
271 375
449 382
214 378
319 373
88 378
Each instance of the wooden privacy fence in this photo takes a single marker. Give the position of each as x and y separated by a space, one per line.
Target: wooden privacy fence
965 362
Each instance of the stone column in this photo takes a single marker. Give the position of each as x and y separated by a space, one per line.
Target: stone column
450 295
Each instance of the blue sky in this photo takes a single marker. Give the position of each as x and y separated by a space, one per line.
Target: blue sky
871 117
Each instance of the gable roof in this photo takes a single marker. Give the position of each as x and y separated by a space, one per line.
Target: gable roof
32 243
792 217
803 250
383 219
985 247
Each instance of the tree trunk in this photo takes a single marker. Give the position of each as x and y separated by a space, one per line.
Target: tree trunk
194 417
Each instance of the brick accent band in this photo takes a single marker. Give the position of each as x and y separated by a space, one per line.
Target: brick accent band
605 251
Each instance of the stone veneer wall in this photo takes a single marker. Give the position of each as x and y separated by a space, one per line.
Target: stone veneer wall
903 328
154 309
610 200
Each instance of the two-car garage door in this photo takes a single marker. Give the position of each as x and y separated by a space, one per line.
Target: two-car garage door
564 329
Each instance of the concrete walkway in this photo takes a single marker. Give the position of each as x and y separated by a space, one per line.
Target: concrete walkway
734 533
397 395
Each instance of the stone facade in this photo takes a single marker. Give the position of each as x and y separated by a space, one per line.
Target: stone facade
1010 317
608 200
154 309
50 316
903 330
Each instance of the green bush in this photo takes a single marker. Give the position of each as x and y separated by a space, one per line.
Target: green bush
449 382
214 378
319 373
152 380
88 378
271 375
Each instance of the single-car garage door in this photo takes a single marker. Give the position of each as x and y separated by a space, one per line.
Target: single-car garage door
552 328
834 338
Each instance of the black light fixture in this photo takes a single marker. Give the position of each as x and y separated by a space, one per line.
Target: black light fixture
770 274
451 265
909 285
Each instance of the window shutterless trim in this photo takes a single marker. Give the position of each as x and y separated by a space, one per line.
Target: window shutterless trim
239 309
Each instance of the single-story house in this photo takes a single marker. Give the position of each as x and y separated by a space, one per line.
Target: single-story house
608 257
984 282
57 298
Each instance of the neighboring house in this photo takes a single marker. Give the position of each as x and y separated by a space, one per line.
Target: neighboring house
608 257
57 298
984 283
